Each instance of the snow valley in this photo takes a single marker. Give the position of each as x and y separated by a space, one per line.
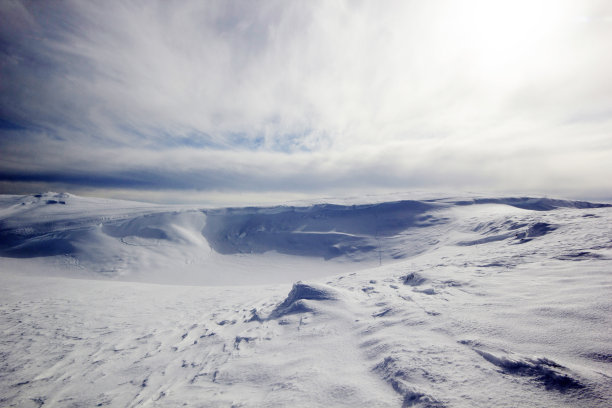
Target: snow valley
448 302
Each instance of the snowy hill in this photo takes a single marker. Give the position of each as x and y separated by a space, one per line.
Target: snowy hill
452 302
136 241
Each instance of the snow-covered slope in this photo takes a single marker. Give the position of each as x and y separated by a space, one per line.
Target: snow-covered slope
500 302
132 241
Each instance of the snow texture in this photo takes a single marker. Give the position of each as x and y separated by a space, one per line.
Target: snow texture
452 302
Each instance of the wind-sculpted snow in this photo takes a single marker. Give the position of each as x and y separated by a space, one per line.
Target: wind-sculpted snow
119 240
297 300
392 372
502 303
123 236
53 224
535 204
414 279
542 370
326 231
518 233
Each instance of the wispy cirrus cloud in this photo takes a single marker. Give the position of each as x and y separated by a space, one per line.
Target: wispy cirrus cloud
307 97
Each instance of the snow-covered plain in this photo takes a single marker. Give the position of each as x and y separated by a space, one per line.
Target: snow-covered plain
502 302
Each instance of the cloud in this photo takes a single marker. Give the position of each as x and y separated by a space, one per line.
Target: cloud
307 97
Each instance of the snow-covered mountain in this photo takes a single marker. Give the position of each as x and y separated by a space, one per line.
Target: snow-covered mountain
449 302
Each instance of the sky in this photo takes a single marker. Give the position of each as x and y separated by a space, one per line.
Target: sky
250 101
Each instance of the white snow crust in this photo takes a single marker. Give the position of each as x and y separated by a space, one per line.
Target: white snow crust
449 302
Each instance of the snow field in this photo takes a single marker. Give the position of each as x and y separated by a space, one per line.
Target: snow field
478 305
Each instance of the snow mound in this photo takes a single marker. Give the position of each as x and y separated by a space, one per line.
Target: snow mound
414 279
546 372
299 299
